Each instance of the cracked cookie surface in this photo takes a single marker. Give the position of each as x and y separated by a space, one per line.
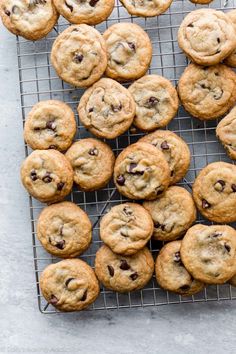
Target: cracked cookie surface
141 172
107 109
146 8
156 102
231 59
129 51
207 36
64 230
214 192
126 228
208 253
47 175
31 19
79 55
173 213
226 132
207 92
50 125
92 162
175 150
171 273
123 273
69 285
90 12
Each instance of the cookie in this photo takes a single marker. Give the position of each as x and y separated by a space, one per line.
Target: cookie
175 150
79 55
126 228
106 109
207 36
214 192
90 12
156 102
141 172
69 285
226 132
146 8
207 92
129 51
92 162
31 19
50 125
64 230
173 213
123 273
47 175
171 273
208 253
231 59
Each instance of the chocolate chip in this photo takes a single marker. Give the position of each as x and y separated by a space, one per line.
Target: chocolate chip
123 234
216 74
132 166
227 247
233 186
111 270
47 178
60 244
177 257
69 6
205 204
93 152
116 108
90 110
124 265
159 190
33 175
219 185
51 125
165 145
128 211
216 234
120 180
217 94
172 173
60 186
157 225
7 12
134 276
68 281
190 25
152 101
54 147
218 40
84 297
185 287
54 300
163 227
204 86
93 2
78 58
132 46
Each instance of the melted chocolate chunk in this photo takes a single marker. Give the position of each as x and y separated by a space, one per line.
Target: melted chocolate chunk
78 58
219 185
90 110
190 25
205 204
54 300
60 186
233 186
216 234
93 152
115 108
84 297
124 265
93 2
157 225
218 40
227 247
33 175
217 95
51 125
70 7
111 270
120 180
134 276
132 46
177 258
68 281
127 211
165 145
132 166
7 12
47 178
60 245
152 101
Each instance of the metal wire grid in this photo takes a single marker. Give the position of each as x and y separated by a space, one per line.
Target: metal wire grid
38 81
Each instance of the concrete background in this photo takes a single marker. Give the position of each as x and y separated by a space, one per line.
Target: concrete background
190 328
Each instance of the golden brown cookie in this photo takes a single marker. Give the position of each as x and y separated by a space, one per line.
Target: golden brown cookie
231 59
69 285
146 8
226 132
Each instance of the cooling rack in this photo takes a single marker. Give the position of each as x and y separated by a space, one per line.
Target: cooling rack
38 81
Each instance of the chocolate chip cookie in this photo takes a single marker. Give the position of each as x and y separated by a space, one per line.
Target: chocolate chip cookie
129 51
141 172
208 253
47 175
171 273
79 55
31 19
90 12
214 192
107 109
64 230
50 125
69 285
226 132
156 102
173 213
231 59
126 228
123 273
175 150
207 36
146 8
207 92
92 162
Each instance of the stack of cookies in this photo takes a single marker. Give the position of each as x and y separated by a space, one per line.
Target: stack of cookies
145 172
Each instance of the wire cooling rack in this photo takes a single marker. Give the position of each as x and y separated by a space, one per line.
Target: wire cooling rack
38 81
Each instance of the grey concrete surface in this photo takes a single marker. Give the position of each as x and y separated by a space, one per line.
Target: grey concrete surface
190 328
